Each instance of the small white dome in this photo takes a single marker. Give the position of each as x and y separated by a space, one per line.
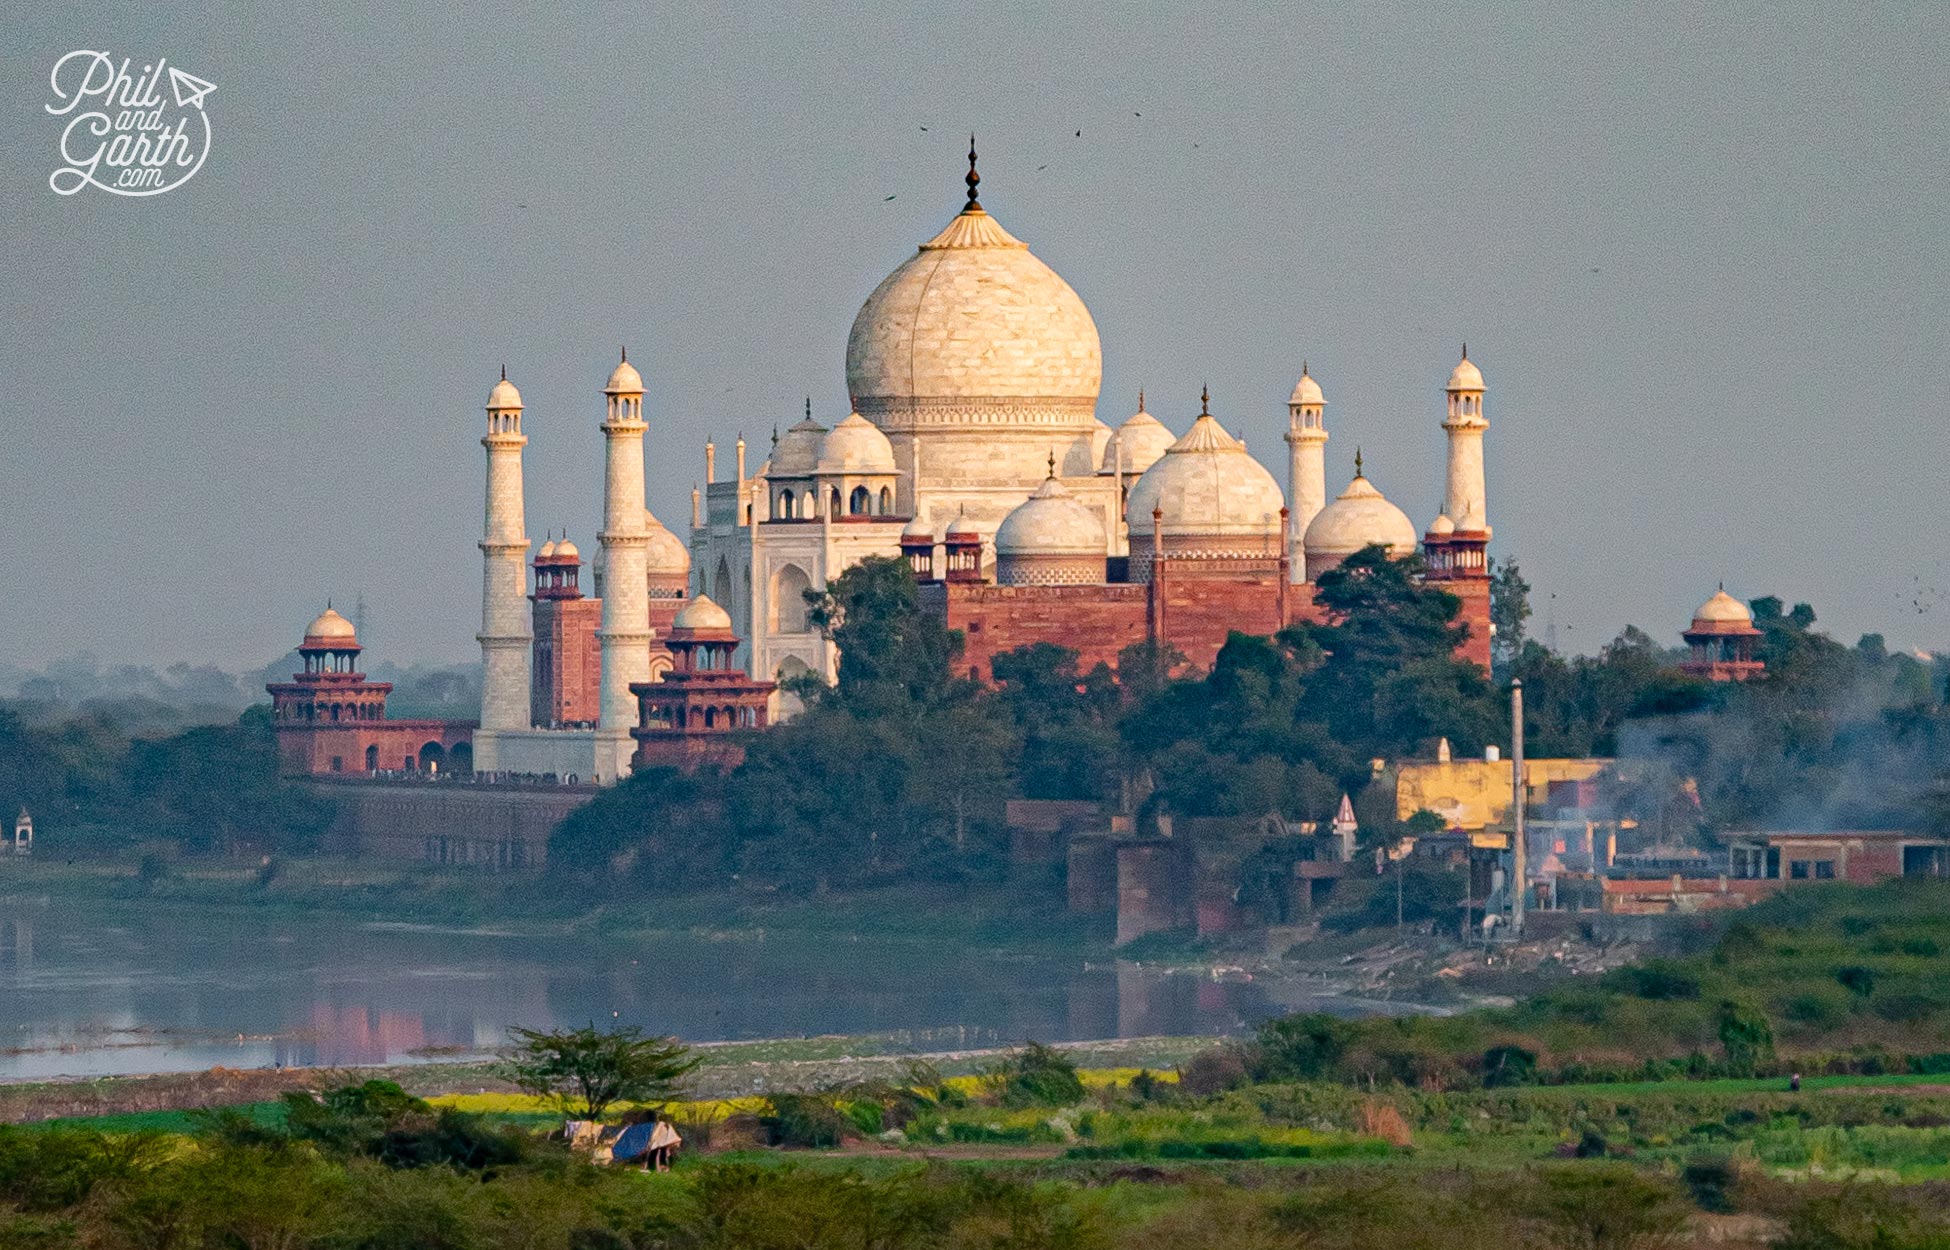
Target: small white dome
566 550
624 380
1051 522
917 528
1443 525
1306 390
855 446
1465 376
701 614
1086 451
798 450
547 552
963 528
1359 517
667 552
1723 608
1138 443
1206 484
504 396
331 627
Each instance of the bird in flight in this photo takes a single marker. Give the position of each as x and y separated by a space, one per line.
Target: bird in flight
890 197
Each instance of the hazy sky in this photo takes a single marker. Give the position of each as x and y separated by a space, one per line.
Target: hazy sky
1699 251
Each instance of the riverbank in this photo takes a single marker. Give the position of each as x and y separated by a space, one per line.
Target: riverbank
728 1070
979 915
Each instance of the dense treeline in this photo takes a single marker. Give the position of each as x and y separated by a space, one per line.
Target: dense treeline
92 787
901 770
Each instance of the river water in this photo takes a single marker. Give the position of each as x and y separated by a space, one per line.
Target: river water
128 987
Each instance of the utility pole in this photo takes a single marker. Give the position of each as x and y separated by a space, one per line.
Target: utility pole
1398 888
1516 809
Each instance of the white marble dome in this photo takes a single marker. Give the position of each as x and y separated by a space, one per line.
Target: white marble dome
1206 485
917 528
1138 443
1722 609
504 396
1358 517
666 553
797 451
1087 451
1465 376
566 550
330 627
547 552
975 319
1306 390
624 380
1051 522
855 446
702 615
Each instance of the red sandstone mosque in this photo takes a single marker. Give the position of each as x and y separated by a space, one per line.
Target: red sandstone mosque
974 450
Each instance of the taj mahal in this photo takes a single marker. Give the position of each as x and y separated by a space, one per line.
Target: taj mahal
974 450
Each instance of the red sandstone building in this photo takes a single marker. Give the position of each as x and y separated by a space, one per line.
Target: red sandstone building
1721 640
699 710
330 719
1213 559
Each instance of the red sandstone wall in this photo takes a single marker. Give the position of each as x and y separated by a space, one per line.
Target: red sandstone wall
314 749
566 689
1095 621
1199 613
1475 595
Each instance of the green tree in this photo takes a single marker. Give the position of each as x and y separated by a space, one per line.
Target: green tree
1509 609
593 1070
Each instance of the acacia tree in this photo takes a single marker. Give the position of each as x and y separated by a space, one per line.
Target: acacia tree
594 1069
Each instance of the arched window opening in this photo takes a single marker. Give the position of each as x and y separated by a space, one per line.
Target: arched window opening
789 587
857 503
886 501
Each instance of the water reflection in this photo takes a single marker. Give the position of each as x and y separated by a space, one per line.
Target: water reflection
128 987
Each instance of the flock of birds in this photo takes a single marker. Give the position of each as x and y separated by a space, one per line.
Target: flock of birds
1040 168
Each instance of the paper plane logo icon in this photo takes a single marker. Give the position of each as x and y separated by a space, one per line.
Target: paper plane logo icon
189 89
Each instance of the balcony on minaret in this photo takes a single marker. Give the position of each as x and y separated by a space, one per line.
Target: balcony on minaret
558 571
917 548
962 548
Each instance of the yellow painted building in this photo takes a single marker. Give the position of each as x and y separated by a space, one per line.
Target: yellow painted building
1474 794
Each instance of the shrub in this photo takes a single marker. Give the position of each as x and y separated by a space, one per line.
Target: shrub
1746 1036
1300 1048
1857 980
805 1121
1213 1071
1038 1076
1507 1065
1658 979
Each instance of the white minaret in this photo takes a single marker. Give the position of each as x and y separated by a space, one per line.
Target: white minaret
504 636
1463 501
1306 483
625 633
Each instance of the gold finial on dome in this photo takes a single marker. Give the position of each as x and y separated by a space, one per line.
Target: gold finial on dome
973 179
1052 464
504 371
1204 401
1357 462
1140 399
